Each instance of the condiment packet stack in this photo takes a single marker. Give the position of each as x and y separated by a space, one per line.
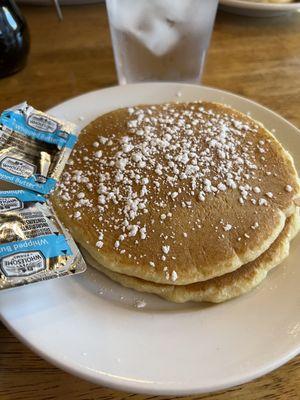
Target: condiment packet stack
34 245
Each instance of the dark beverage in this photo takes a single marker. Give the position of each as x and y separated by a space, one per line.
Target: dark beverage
14 38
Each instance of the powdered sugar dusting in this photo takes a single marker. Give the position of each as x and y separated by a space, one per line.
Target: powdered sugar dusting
140 303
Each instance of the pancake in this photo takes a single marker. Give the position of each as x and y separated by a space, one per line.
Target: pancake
218 289
272 1
176 193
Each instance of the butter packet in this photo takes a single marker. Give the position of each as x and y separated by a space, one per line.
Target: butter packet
34 147
34 246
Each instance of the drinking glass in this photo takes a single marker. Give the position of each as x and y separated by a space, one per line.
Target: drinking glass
160 40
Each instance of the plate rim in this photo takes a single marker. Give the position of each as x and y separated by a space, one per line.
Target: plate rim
176 84
261 6
129 385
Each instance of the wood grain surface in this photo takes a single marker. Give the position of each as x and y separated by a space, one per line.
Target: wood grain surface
257 58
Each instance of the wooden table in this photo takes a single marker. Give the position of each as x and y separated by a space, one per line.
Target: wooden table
259 59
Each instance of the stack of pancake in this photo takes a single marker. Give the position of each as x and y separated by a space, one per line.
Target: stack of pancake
190 201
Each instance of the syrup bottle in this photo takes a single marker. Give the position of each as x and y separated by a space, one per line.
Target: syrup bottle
14 38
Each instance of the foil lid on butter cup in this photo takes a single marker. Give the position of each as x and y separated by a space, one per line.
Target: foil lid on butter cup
34 147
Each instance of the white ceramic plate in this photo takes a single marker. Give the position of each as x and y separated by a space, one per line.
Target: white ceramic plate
94 328
251 9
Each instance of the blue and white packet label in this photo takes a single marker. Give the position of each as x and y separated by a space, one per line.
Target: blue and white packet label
34 147
34 245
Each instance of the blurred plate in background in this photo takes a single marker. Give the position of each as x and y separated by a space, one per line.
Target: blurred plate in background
253 9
